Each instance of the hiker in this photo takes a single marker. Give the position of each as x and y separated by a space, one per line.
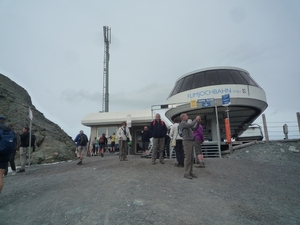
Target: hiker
94 146
112 142
158 131
124 137
81 142
23 148
12 156
188 143
198 141
102 144
146 140
177 143
6 148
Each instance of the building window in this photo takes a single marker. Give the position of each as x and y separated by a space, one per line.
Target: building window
111 130
199 80
238 78
177 87
100 131
225 77
211 78
248 79
187 83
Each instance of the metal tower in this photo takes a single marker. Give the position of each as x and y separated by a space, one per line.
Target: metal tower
107 41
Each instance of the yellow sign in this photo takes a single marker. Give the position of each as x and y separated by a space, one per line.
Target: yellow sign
193 104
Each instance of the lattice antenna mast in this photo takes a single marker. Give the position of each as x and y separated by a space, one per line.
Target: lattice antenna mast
107 41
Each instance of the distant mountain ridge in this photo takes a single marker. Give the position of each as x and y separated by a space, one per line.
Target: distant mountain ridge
52 143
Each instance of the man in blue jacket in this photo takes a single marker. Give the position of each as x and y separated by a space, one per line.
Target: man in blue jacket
158 131
4 155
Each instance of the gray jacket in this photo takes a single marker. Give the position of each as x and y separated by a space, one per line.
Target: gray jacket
187 130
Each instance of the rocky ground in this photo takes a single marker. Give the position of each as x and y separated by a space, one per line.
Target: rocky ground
255 185
274 152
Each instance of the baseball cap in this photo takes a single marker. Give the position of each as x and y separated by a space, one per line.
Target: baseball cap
2 117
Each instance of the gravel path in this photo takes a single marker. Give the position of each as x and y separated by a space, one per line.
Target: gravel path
255 185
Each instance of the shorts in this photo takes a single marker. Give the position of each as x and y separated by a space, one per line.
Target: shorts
112 144
4 159
101 146
81 150
197 145
145 146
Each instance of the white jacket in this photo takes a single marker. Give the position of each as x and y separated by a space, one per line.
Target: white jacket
174 132
121 134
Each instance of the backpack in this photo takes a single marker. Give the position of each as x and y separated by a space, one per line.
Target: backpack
179 131
33 142
83 140
154 122
7 141
102 140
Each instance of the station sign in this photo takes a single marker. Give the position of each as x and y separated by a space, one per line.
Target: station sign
226 100
206 102
193 104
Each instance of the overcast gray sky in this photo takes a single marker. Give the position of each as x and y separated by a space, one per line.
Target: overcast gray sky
55 50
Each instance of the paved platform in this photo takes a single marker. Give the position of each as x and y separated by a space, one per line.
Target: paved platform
106 191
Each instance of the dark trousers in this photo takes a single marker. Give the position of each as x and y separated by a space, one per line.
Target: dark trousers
11 162
179 153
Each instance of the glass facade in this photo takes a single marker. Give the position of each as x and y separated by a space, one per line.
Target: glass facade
212 77
108 131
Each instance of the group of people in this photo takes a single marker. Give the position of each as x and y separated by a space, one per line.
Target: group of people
98 145
19 143
192 138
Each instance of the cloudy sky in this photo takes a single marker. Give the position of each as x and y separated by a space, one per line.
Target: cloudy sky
55 50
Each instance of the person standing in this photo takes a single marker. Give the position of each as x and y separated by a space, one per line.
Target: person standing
124 137
112 142
81 142
178 143
102 144
188 142
145 141
12 156
23 148
198 141
158 131
94 145
7 149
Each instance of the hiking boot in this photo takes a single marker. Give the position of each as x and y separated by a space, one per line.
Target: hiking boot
187 176
197 165
21 171
193 175
202 165
79 163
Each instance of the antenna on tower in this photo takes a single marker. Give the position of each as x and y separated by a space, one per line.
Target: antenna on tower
107 41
